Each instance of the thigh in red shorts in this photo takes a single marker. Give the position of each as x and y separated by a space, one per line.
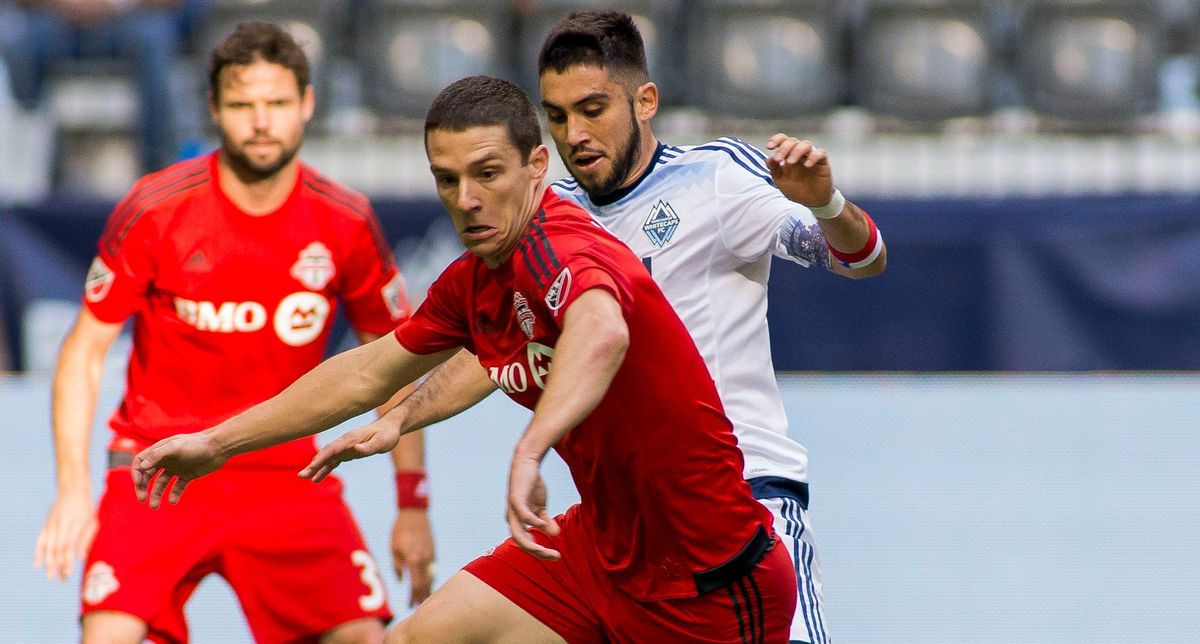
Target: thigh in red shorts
573 596
289 549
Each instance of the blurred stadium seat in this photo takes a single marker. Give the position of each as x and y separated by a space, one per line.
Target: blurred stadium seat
92 104
764 59
657 20
411 49
1090 62
923 60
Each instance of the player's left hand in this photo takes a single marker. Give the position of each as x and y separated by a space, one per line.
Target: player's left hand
181 458
801 170
412 550
527 507
376 438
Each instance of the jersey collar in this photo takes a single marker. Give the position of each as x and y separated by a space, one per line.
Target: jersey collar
620 193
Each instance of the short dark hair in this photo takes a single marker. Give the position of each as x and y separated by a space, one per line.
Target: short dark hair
479 101
257 40
607 39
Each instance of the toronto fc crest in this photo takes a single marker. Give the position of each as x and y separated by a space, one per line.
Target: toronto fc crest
314 269
524 314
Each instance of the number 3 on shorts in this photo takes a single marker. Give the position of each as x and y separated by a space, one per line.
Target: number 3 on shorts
370 576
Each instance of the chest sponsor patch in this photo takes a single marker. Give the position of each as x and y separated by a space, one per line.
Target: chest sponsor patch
661 224
99 280
559 289
314 269
300 318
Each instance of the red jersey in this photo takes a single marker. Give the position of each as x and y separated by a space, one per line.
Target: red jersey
656 463
231 308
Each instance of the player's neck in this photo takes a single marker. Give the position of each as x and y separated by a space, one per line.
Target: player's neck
533 202
261 196
647 146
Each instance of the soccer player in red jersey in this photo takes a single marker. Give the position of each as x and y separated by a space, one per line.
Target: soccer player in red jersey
667 544
232 266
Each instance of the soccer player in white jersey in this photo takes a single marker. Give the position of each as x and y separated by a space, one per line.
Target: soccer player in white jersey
706 221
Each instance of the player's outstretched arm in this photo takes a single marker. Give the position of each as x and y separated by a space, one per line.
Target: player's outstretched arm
454 386
338 389
71 524
587 356
802 172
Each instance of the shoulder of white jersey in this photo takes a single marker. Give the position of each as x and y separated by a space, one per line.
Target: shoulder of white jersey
733 153
567 187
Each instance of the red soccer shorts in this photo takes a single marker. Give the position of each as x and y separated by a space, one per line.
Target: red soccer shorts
289 548
574 597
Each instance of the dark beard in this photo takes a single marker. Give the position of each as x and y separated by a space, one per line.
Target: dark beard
621 166
247 171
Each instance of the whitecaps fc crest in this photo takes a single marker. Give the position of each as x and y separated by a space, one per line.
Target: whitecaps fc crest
314 269
661 224
557 293
524 314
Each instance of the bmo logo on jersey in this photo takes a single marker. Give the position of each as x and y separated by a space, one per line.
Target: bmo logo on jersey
298 320
516 377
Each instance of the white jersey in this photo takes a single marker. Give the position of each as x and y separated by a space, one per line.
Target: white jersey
706 221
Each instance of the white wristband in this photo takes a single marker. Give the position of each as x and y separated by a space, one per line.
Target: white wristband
831 209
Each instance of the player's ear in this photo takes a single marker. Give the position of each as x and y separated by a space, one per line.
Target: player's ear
307 102
212 106
645 101
539 162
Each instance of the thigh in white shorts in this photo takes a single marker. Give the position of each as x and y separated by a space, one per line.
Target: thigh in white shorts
793 529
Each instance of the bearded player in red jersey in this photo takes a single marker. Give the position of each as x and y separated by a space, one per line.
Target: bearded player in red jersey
232 266
667 544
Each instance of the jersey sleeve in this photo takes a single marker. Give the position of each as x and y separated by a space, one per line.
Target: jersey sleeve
441 321
756 218
592 266
124 265
373 289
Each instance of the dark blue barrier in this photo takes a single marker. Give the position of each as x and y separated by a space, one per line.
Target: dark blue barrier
1088 283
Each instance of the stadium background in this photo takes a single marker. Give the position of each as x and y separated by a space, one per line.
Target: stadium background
1034 166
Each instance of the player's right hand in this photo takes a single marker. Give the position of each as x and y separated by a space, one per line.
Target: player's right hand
527 507
179 459
67 534
376 438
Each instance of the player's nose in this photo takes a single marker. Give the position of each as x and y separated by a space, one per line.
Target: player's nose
577 132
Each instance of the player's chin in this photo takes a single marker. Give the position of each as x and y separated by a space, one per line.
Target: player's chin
590 181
